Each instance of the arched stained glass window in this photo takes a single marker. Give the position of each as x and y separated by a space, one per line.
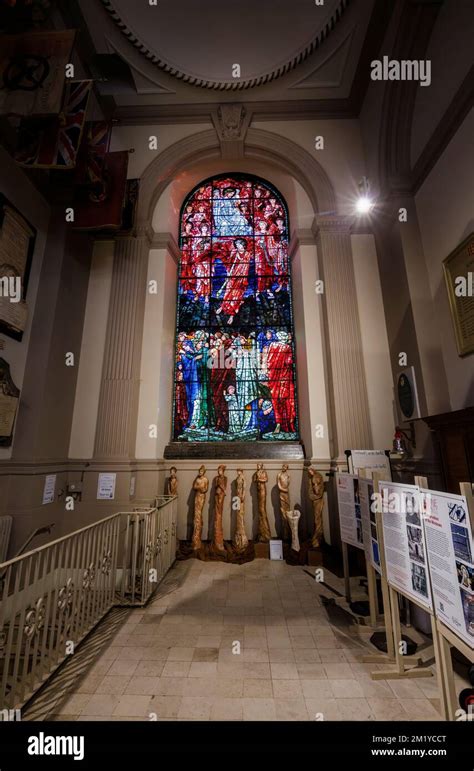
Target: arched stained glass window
234 369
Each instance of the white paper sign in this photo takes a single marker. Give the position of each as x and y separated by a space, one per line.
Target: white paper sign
276 549
450 555
350 517
375 460
369 525
49 488
131 491
106 487
404 542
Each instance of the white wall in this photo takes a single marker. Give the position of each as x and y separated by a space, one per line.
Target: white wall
21 193
89 378
378 370
445 206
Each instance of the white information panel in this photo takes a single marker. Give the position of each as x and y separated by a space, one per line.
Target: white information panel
350 517
375 460
404 541
106 487
450 555
276 549
369 525
49 489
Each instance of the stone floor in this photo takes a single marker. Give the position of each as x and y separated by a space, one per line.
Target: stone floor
250 642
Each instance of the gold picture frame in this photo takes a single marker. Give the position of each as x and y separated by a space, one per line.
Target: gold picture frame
460 264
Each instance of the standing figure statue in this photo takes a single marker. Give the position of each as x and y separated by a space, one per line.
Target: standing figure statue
316 496
293 518
261 478
220 493
240 541
200 487
283 482
173 481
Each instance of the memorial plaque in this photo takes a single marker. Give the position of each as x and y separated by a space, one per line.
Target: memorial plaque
9 399
17 240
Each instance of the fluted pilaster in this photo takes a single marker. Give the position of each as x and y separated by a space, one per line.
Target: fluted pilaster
350 408
118 401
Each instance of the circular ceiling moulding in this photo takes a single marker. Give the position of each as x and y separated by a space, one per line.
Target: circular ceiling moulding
200 43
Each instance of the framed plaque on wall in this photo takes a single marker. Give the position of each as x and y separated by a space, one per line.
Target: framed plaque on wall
17 243
459 275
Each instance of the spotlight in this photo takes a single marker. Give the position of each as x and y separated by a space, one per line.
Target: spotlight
364 203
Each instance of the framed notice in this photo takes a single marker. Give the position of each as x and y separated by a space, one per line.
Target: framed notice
106 487
350 516
369 525
404 540
459 276
49 489
17 243
276 549
451 560
374 460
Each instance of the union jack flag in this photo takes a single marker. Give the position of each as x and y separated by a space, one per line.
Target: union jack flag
92 152
53 143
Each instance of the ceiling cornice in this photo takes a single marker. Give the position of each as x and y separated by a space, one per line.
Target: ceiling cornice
237 85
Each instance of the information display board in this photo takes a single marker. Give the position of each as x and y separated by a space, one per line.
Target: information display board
404 541
450 554
369 525
350 516
106 487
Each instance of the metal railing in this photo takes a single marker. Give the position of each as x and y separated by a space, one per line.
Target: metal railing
53 596
149 549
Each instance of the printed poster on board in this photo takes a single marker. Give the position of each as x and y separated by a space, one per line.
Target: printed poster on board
450 554
369 525
350 517
404 542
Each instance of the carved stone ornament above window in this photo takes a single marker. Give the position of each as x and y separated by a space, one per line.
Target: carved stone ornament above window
201 43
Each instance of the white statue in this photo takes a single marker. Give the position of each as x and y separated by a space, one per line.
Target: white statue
293 518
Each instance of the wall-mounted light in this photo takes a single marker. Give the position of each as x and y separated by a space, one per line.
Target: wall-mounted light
364 203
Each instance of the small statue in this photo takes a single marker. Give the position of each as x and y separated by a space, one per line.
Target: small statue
283 482
221 487
240 538
261 478
316 496
293 517
200 487
173 481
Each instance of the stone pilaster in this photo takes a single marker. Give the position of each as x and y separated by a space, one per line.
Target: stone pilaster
118 402
349 407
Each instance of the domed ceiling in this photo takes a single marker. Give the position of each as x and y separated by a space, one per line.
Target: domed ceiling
199 41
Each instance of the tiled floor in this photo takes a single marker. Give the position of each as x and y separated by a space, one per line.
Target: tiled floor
249 642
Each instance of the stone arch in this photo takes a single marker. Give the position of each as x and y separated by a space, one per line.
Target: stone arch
259 144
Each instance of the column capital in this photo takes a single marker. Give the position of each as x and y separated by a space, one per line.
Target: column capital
332 223
144 230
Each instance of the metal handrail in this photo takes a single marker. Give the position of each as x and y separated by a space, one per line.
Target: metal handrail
57 593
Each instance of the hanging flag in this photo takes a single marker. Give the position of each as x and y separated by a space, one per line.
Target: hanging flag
92 152
53 143
100 207
32 72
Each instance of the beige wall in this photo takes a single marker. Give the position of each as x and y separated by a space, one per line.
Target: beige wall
445 206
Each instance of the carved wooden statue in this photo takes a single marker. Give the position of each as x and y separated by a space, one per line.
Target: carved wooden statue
220 493
261 478
240 541
293 518
173 481
200 487
283 482
316 496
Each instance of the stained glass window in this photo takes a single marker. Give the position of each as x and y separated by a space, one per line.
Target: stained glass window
234 369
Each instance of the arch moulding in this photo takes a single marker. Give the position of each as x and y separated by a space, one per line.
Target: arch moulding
260 145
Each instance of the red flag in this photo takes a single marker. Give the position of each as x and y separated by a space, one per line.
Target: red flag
100 208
